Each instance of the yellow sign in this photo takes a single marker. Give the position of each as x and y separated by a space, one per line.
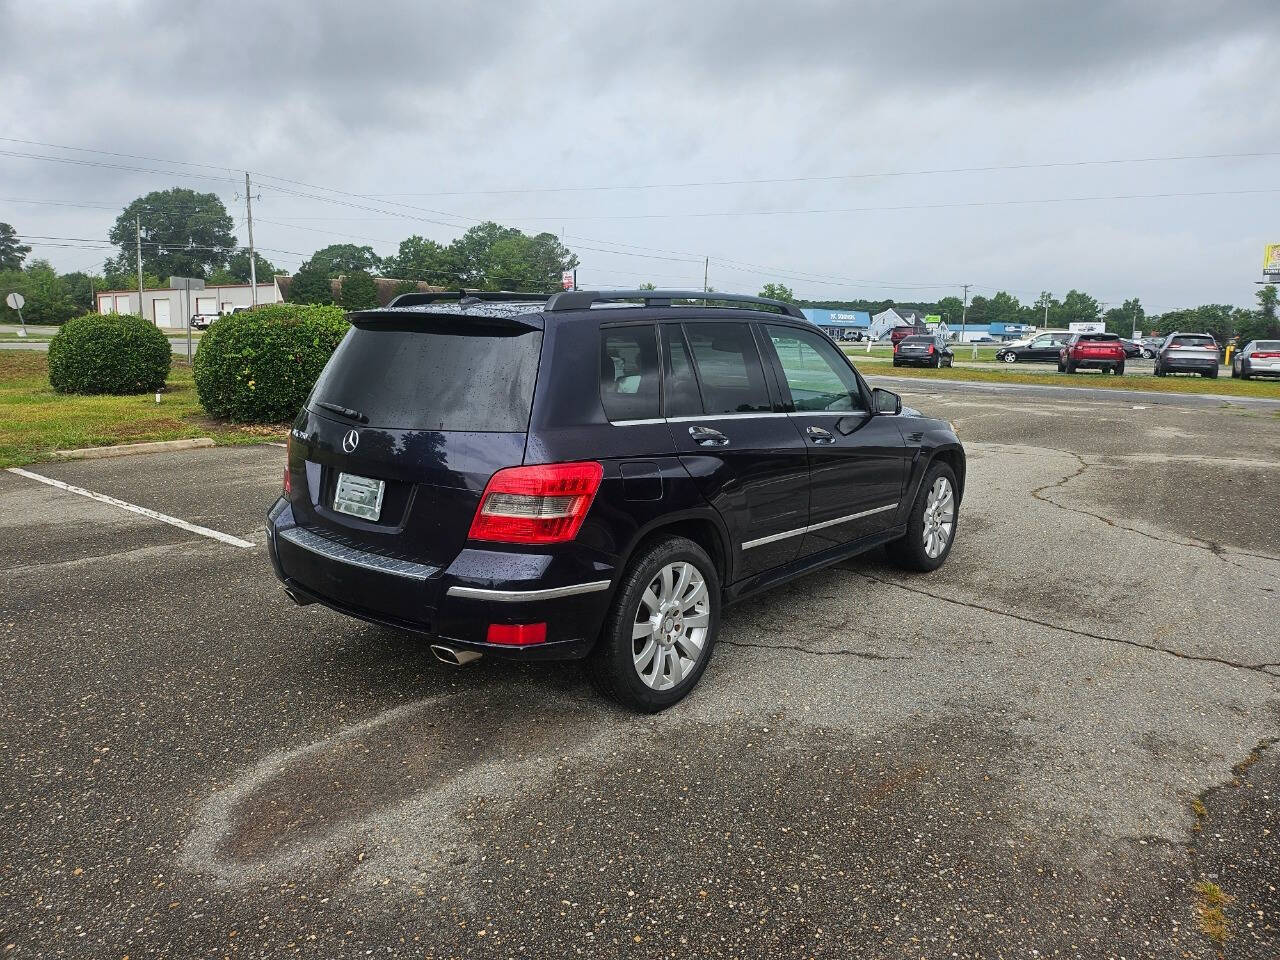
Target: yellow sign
1271 260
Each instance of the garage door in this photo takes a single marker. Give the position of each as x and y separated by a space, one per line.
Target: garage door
122 304
207 306
161 312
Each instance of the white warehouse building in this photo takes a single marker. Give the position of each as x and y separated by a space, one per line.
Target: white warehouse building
168 307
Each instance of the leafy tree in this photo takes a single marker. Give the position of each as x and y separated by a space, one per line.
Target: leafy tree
310 285
1126 318
184 234
12 253
48 298
493 257
237 269
421 259
778 291
950 309
1262 324
359 292
647 285
341 258
80 289
979 310
1077 307
1003 308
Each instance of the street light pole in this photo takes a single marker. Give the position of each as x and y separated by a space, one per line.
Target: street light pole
253 259
137 236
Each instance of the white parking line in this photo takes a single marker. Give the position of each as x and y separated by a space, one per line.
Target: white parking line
134 508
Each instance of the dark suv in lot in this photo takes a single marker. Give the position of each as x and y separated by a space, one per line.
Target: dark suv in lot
592 475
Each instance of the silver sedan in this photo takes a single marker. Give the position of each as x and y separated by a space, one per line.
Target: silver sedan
1258 358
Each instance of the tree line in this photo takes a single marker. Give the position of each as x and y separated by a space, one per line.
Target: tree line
1224 321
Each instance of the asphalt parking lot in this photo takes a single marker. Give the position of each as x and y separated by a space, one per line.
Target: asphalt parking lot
1040 749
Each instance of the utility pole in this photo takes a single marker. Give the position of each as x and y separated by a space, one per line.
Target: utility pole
706 268
137 236
253 257
964 311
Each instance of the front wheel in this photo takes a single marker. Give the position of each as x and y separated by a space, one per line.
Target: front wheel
660 630
931 526
1071 366
1010 358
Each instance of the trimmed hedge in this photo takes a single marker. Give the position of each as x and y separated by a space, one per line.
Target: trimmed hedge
108 353
258 366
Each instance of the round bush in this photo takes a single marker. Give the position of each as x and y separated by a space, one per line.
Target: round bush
258 366
108 353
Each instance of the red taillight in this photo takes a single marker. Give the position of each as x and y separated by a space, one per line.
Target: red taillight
1269 355
542 504
517 634
930 350
288 455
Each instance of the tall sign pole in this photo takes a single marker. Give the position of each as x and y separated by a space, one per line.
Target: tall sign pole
964 311
253 258
137 226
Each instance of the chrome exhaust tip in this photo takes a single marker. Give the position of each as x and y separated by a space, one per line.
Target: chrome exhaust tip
454 656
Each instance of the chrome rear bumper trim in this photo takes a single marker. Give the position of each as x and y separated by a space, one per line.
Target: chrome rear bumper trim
525 596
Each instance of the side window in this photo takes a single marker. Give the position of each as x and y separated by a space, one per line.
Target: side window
682 397
729 369
629 386
817 377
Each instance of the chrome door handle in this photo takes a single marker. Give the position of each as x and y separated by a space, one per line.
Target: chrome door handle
819 435
706 437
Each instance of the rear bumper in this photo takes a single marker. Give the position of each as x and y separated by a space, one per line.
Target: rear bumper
569 593
1095 363
1192 364
925 360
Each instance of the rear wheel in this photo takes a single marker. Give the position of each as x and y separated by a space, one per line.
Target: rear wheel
1212 374
1159 371
660 631
1245 372
1118 369
931 526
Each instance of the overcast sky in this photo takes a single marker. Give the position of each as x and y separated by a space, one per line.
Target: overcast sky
438 115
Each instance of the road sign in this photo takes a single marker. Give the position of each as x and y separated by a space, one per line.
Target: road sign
15 300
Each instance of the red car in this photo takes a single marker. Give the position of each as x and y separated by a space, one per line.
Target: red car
1101 351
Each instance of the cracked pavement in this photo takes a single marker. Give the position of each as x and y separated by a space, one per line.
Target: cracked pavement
1001 757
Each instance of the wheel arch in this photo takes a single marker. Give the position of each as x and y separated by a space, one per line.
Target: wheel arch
705 528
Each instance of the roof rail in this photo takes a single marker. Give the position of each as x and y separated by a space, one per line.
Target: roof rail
584 299
419 297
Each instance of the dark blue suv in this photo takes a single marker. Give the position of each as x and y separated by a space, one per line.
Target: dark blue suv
592 475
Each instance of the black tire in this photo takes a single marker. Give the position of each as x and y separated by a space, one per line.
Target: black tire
1010 357
1118 369
1061 368
1071 367
1245 372
951 361
909 552
611 664
1212 374
937 361
1159 371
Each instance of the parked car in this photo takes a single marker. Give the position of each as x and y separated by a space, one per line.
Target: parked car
922 350
455 474
898 334
1188 353
1042 348
1150 346
1092 351
203 321
983 340
1131 347
1258 358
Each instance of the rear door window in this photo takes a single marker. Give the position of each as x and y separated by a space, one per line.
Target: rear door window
729 370
682 397
440 375
629 378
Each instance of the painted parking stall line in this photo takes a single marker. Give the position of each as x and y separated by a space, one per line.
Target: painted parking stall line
134 508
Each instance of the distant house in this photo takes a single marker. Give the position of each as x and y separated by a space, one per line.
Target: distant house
388 288
884 321
171 307
839 324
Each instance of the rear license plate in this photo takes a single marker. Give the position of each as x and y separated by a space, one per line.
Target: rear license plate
359 496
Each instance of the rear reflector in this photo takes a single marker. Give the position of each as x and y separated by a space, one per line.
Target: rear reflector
517 634
542 504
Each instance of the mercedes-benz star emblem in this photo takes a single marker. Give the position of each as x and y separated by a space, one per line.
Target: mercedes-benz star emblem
350 441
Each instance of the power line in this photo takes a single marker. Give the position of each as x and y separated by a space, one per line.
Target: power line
827 178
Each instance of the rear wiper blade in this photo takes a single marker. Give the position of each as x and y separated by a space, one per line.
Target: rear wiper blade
347 412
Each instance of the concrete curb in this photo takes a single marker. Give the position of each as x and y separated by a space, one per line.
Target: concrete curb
133 449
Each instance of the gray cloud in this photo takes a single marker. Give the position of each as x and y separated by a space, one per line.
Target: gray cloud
404 98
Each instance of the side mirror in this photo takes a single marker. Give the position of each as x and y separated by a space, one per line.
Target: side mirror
886 401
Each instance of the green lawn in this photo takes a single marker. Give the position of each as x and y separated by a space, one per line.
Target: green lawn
35 421
1045 374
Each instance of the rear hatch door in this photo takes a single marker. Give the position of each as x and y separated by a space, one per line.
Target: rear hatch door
407 423
1192 348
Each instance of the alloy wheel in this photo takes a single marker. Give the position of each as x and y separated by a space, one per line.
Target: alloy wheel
939 517
669 631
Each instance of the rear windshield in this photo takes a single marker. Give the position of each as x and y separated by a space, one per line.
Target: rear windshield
1266 345
1193 342
917 340
1099 336
439 378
